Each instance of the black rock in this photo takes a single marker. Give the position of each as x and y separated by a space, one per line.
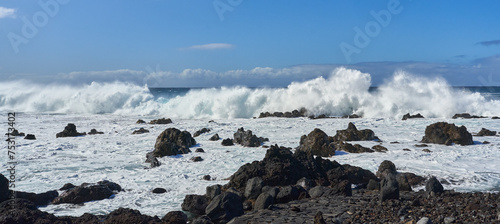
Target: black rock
140 121
207 177
389 188
175 217
88 192
214 137
150 158
199 150
202 220
433 186
4 188
347 147
172 142
161 121
224 207
466 116
23 211
196 159
353 134
30 137
444 133
69 131
486 132
263 201
67 186
379 148
41 199
373 185
195 204
95 132
318 218
287 193
404 184
15 133
318 143
408 116
140 131
247 138
253 188
213 191
201 131
386 167
227 142
127 215
159 190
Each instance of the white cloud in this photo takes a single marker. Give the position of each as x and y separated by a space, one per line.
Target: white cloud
6 12
212 46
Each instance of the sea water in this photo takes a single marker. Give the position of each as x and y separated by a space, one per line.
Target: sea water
113 108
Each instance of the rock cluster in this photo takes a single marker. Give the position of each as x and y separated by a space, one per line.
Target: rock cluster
88 192
69 131
353 134
302 112
444 133
466 116
408 116
247 138
172 141
486 132
16 133
161 121
318 143
201 131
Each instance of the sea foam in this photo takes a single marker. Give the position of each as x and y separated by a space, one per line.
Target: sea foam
344 92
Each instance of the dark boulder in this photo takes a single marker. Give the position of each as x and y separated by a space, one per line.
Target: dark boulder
140 131
351 116
41 199
379 148
253 188
263 201
199 150
152 160
408 116
433 186
15 133
224 207
318 143
413 179
214 137
403 183
159 190
340 188
347 147
213 191
69 131
486 132
4 188
444 133
353 134
30 137
318 218
389 187
386 167
23 211
67 186
127 215
356 175
196 159
161 121
227 142
247 138
201 131
95 132
466 116
373 185
195 204
175 217
140 121
88 192
287 193
172 141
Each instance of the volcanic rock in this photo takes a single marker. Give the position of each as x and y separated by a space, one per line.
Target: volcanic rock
175 217
150 158
347 147
199 150
224 207
408 116
140 121
30 137
444 133
161 121
486 132
379 148
67 186
40 199
69 131
159 190
140 131
127 215
88 192
386 167
295 113
214 137
389 187
195 204
253 188
23 211
196 159
318 143
172 142
246 138
264 200
227 142
353 134
201 131
4 188
466 116
15 133
95 132
433 186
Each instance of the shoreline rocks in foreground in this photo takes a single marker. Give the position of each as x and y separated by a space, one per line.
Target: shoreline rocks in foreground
445 133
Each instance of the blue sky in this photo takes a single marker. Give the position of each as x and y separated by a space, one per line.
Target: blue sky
246 42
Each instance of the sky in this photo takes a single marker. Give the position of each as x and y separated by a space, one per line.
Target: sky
204 43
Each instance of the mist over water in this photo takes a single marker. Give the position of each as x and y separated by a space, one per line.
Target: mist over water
344 92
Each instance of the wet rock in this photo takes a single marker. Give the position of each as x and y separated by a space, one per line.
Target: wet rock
353 134
433 186
379 148
88 192
426 150
408 116
466 116
152 160
224 207
386 167
406 149
389 187
213 191
175 217
305 183
69 131
127 215
318 143
140 121
264 200
199 150
140 131
172 142
444 133
214 137
253 188
207 177
159 190
95 132
196 159
347 147
227 142
195 204
40 199
67 186
201 131
421 145
293 114
486 132
246 138
30 137
161 121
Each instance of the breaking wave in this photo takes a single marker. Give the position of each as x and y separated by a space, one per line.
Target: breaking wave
344 92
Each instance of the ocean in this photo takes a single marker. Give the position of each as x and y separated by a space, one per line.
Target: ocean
47 163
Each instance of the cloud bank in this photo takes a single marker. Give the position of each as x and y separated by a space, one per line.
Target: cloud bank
6 12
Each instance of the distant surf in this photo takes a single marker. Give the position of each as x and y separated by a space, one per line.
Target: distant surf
344 92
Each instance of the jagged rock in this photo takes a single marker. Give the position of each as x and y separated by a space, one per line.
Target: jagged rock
246 138
466 116
30 137
486 132
347 147
408 116
140 131
69 131
88 192
175 217
433 186
224 207
227 142
127 215
140 121
95 132
318 143
40 199
379 148
444 133
413 179
159 190
201 131
4 188
195 204
253 188
389 187
172 142
161 121
214 137
352 134
341 188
